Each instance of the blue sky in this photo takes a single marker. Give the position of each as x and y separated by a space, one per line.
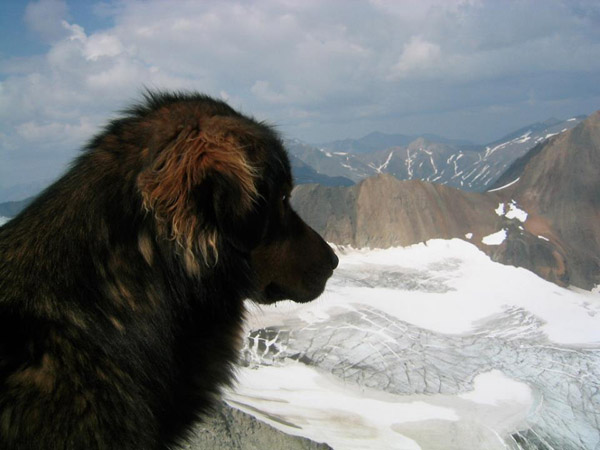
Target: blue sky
318 70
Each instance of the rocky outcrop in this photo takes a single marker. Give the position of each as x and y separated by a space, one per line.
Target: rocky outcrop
383 211
230 429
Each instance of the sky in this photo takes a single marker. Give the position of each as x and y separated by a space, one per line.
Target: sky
318 70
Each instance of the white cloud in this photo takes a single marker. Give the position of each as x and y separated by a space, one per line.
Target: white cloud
44 17
418 57
100 45
55 131
320 70
263 91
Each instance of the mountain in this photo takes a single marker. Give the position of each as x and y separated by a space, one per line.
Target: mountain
560 182
378 141
22 190
371 142
548 221
428 158
333 164
304 174
11 209
383 211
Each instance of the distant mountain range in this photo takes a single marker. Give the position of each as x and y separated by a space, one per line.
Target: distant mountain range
378 141
11 209
544 214
429 158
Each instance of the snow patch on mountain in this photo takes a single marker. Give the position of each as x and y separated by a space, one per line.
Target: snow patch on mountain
513 212
505 186
495 238
470 167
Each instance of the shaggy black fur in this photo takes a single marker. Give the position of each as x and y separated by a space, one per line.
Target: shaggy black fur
122 285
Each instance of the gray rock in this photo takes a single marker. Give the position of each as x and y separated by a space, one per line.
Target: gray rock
231 429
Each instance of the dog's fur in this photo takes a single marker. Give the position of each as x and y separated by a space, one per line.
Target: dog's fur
122 285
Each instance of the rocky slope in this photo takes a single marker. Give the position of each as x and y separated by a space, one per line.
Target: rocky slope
231 429
304 174
383 211
560 183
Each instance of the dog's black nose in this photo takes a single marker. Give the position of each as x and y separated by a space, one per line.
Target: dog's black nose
334 260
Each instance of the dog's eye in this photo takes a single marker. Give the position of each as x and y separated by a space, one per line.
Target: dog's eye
285 198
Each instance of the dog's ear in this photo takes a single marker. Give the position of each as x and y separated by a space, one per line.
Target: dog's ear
202 186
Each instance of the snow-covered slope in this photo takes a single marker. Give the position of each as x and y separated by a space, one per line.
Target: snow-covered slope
433 346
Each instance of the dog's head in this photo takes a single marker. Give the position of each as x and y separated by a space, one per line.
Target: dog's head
214 178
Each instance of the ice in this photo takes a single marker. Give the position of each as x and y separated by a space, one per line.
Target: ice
429 346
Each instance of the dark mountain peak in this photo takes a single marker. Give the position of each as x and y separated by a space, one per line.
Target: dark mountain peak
551 122
371 142
304 174
380 135
427 142
419 142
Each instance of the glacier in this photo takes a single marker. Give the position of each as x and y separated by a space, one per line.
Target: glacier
432 346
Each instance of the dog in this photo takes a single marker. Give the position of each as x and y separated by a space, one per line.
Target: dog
122 285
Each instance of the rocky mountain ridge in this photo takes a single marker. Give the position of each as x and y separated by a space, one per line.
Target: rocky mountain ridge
556 235
428 158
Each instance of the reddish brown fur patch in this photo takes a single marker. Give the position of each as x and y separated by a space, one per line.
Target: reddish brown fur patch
145 246
117 324
167 186
43 377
